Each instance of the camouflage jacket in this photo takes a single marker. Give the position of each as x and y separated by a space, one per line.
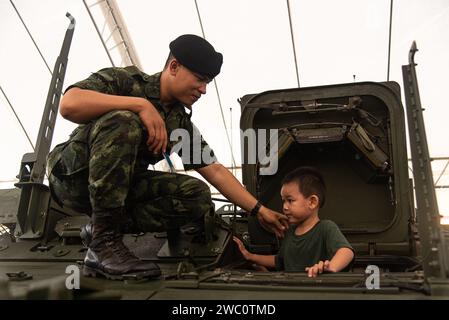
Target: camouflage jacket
130 81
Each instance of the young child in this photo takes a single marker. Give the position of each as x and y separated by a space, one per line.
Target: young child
309 244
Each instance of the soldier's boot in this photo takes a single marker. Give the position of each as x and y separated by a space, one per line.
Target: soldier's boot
195 227
86 234
174 240
204 229
211 226
109 257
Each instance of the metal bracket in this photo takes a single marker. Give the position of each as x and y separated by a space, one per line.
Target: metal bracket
19 276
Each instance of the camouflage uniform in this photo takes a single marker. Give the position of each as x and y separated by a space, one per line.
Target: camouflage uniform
103 166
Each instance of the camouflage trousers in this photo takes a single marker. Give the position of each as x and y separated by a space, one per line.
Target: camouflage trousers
99 170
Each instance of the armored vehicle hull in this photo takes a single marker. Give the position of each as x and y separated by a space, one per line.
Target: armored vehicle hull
353 133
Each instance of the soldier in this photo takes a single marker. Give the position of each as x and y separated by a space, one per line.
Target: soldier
126 118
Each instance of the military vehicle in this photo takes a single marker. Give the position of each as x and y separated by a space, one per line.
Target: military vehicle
353 133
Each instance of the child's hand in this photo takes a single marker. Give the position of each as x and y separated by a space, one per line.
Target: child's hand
318 268
246 254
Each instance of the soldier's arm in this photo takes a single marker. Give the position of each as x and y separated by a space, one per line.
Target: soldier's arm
82 105
232 189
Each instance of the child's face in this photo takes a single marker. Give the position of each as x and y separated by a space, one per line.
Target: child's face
296 207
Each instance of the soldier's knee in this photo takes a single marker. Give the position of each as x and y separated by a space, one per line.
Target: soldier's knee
204 188
124 117
201 188
121 123
194 188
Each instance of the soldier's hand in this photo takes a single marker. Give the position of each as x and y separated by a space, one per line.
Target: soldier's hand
318 268
246 254
157 133
273 221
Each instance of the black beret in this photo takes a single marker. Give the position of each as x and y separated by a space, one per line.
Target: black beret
197 54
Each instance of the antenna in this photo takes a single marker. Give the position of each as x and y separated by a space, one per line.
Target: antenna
29 33
389 39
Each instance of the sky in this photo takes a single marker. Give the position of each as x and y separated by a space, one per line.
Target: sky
335 40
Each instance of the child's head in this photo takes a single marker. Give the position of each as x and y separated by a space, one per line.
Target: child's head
303 193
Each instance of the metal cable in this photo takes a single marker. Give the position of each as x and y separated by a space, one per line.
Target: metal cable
98 32
17 117
216 89
20 122
293 42
442 172
32 39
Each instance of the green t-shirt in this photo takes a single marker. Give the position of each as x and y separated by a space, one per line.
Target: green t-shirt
318 244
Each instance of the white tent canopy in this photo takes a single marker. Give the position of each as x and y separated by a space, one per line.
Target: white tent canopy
335 41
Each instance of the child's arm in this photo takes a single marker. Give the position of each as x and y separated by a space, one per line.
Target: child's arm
263 260
339 261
